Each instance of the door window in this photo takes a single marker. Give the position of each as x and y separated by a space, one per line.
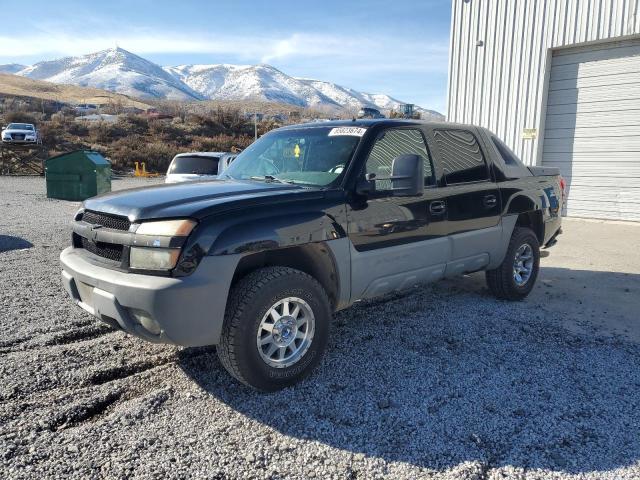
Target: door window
461 156
195 164
391 144
506 153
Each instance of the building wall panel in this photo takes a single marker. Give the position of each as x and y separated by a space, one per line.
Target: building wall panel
502 85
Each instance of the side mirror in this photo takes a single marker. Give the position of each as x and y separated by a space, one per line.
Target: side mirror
367 184
407 175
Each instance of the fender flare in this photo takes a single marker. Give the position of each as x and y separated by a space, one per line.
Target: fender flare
275 232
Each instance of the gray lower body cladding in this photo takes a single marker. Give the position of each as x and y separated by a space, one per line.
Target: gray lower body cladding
384 270
189 310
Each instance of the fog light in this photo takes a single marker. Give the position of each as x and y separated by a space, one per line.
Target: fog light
147 322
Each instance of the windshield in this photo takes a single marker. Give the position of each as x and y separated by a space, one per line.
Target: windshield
309 156
195 164
20 126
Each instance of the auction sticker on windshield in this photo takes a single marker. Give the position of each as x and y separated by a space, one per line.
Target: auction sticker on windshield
351 131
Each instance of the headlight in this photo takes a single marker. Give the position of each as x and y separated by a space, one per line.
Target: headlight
167 228
153 258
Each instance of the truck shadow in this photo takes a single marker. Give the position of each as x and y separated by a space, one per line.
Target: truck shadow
446 374
8 243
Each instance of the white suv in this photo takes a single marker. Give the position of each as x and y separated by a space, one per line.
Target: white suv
20 133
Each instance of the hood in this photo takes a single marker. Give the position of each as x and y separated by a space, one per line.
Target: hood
193 199
18 130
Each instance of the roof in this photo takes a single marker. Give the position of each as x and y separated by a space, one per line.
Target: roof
200 154
95 157
370 122
94 117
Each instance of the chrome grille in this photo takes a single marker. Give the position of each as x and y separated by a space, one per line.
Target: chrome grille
111 251
109 221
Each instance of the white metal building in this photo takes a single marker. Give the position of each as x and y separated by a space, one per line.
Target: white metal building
559 81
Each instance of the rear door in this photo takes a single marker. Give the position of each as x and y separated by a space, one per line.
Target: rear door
471 195
398 241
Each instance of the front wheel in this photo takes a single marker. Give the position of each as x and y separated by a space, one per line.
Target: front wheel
516 276
275 329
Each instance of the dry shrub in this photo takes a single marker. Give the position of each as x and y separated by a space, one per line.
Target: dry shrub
134 124
105 132
77 128
220 143
20 117
168 132
136 138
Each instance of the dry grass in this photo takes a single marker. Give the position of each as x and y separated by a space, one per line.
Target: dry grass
14 85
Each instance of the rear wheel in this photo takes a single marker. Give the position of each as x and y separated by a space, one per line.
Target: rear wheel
516 276
276 328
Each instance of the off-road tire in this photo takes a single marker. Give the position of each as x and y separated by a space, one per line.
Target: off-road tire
248 302
501 280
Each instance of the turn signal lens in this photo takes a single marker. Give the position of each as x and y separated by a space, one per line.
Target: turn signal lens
153 258
167 228
563 187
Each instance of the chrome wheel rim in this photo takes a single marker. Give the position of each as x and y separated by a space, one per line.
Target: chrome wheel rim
285 332
523 265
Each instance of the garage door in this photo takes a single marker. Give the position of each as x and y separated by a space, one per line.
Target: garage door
592 128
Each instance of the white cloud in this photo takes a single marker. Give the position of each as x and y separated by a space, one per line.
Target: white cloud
376 63
364 53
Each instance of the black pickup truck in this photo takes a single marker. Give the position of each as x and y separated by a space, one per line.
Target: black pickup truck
306 221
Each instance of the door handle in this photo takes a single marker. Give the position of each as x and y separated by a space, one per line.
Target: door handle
490 201
437 207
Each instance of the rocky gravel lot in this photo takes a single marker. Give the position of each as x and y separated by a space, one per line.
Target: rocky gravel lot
439 382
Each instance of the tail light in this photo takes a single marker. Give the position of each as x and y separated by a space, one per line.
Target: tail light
563 187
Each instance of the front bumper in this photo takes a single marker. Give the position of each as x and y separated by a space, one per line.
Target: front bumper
188 310
24 140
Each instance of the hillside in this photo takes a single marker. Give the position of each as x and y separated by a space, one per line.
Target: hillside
17 86
116 70
123 72
12 68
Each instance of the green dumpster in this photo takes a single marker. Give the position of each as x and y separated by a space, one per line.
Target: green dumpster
77 175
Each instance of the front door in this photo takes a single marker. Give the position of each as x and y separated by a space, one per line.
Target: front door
397 241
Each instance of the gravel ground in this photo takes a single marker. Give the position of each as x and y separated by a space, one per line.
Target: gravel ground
440 382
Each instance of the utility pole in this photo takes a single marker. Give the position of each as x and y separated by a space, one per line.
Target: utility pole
255 125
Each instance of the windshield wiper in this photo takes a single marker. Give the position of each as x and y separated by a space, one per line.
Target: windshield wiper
269 178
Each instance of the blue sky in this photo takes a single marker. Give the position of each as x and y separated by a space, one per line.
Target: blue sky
395 47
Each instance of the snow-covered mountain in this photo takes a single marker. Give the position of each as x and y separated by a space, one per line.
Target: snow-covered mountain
124 72
11 68
267 83
116 70
249 82
354 100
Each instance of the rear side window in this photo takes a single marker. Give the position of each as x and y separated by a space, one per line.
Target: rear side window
461 156
506 153
391 144
195 164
